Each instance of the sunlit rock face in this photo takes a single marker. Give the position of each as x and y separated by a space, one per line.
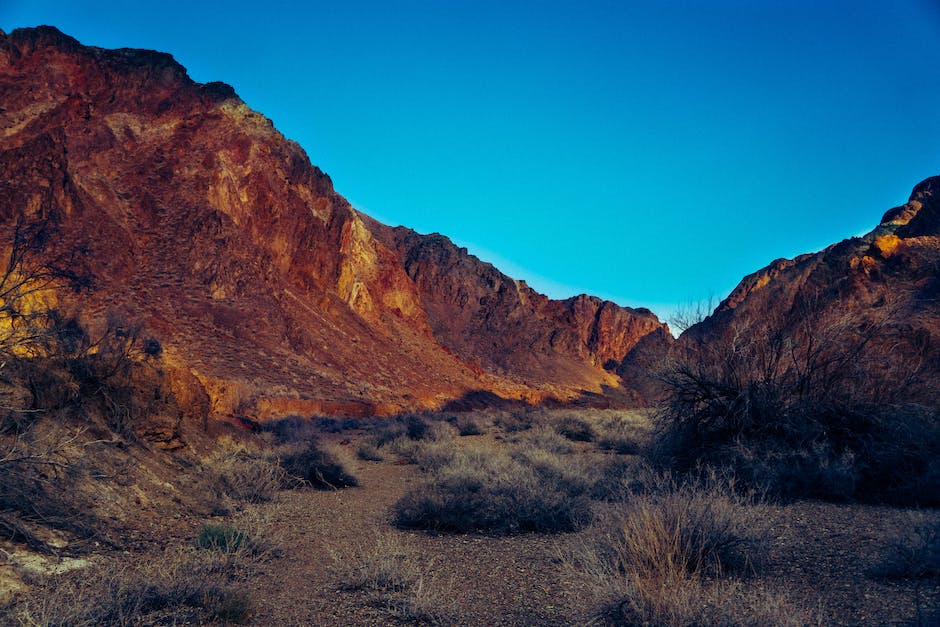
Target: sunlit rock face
267 290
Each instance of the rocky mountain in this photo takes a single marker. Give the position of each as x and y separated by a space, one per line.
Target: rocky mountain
882 288
268 292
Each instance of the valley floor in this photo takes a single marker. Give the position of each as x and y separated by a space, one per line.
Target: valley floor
336 557
821 556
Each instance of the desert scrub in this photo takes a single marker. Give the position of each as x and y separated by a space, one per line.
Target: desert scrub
665 555
625 433
393 577
182 585
811 402
407 437
316 467
367 451
468 425
541 437
575 429
247 476
490 491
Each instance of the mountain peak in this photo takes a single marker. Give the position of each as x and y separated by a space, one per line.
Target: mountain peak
921 214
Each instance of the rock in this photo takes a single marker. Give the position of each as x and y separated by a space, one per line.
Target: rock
261 283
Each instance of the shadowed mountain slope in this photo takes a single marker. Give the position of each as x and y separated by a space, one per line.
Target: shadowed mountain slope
884 285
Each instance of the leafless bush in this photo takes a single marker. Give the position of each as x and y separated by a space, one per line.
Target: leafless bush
666 556
468 425
247 476
315 467
369 452
821 404
487 490
623 434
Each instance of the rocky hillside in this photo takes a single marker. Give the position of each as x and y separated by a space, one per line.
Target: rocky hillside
885 286
189 213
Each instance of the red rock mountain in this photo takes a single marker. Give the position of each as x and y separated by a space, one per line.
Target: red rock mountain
892 273
269 293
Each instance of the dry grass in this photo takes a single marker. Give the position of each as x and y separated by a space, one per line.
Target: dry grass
674 555
182 584
200 582
486 490
247 476
391 575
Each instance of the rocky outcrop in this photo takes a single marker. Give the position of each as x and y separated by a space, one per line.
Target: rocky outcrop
194 216
892 273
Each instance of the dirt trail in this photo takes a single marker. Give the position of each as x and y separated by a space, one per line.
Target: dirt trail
495 581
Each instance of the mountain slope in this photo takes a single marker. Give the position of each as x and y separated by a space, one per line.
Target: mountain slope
268 291
889 277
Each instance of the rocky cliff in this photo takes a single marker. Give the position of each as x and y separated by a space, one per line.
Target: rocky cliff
267 290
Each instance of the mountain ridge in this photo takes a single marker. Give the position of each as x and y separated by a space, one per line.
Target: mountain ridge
269 291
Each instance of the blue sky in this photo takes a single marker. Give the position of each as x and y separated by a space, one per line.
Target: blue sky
652 153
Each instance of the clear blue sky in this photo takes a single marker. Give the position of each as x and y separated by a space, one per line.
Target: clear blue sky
649 152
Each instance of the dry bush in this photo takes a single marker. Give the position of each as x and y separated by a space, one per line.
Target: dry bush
513 422
392 576
665 558
575 429
542 437
39 480
916 555
468 424
817 404
491 491
247 476
369 452
623 434
407 438
317 468
683 602
183 585
289 429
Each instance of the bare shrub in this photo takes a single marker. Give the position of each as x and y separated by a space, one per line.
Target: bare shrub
819 404
664 557
38 484
391 574
513 422
407 438
181 585
369 452
491 491
575 429
623 434
318 468
290 429
247 476
468 425
544 438
914 556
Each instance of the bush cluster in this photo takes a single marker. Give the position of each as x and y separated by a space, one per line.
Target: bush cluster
838 408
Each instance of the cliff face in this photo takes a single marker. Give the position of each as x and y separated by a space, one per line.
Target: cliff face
197 218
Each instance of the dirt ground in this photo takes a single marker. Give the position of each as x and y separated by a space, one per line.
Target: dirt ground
820 554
